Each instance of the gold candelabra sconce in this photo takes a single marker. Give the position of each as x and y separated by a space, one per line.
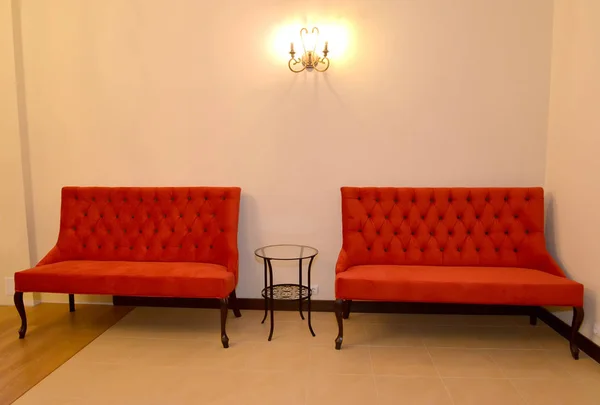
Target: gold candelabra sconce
309 59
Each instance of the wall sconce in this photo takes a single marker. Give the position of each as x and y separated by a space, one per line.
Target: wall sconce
309 60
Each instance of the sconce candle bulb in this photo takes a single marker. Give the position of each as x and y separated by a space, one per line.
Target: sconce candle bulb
309 60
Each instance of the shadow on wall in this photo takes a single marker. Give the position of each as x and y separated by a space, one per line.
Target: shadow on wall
589 295
24 134
248 240
550 227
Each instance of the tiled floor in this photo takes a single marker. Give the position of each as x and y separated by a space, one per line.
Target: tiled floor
174 356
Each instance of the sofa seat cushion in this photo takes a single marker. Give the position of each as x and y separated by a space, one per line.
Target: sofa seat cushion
466 285
151 279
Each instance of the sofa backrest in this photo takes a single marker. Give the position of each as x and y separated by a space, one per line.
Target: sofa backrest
443 226
164 224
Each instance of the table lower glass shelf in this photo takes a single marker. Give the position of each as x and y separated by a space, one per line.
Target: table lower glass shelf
290 292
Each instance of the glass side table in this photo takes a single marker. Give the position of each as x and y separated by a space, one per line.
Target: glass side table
290 292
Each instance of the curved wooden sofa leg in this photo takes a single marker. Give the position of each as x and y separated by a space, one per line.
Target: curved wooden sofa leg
71 302
339 312
18 298
532 320
575 325
235 305
347 305
533 311
224 309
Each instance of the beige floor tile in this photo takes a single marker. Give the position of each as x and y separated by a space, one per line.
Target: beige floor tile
341 389
488 391
250 330
278 356
548 339
241 387
473 337
464 363
393 390
323 316
349 360
507 338
159 352
447 336
206 387
556 391
274 388
392 335
528 364
585 392
584 368
212 356
403 361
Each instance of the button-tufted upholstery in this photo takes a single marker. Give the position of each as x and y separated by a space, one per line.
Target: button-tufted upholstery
176 241
455 245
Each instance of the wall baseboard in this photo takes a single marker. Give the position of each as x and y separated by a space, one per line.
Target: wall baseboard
245 303
327 306
586 345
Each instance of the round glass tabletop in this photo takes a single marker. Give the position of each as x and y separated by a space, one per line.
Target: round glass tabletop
286 252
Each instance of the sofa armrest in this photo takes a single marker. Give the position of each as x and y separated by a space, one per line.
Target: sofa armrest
52 256
547 264
342 262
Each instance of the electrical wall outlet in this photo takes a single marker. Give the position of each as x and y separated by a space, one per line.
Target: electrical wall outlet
597 329
9 285
314 289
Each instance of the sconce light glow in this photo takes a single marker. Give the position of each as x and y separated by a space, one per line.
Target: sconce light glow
309 58
288 37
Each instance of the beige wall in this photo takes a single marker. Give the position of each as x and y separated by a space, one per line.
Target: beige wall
14 249
573 145
429 92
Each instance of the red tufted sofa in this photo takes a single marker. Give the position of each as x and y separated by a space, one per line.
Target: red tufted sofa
157 242
449 245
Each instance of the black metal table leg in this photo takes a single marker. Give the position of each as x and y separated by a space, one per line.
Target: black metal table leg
309 294
271 301
266 299
300 289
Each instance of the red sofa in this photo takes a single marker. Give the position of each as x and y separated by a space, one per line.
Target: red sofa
156 242
449 245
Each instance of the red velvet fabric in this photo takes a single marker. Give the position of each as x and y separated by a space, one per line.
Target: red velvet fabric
142 224
453 228
450 284
147 279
